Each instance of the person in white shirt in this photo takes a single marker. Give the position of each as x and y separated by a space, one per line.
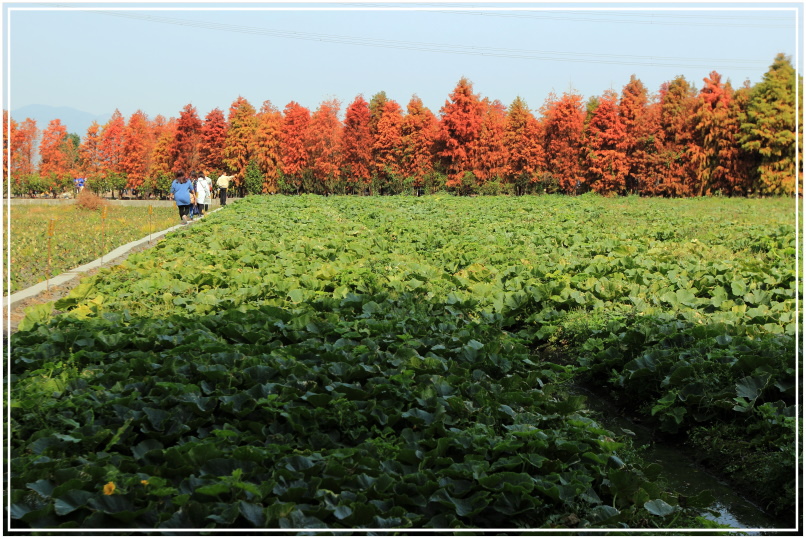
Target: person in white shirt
209 188
202 193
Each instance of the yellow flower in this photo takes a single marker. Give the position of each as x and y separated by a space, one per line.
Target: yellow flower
144 482
109 489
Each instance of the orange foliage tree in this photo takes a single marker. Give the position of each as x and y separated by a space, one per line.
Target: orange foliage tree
242 122
605 148
6 130
323 142
292 144
110 145
53 163
184 148
488 153
418 130
89 152
23 148
138 144
267 145
673 168
632 110
563 129
716 124
523 138
460 124
388 145
356 143
213 137
160 173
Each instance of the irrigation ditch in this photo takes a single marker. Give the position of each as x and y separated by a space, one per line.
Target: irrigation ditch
681 470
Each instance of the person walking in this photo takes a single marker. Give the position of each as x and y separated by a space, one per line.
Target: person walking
223 184
210 190
202 193
181 189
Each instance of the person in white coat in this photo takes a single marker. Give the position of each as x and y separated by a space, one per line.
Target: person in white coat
209 188
202 194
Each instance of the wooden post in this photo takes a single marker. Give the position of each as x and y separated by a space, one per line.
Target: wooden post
103 233
51 230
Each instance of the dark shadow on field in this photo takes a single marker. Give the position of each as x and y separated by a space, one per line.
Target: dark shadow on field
370 411
724 392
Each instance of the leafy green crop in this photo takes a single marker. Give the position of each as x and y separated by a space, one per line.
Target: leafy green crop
396 363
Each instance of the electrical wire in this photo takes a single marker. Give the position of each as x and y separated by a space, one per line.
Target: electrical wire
494 52
648 17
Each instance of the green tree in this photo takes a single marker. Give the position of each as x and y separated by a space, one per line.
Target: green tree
253 179
768 129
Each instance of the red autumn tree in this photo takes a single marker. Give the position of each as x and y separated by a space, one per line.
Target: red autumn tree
213 138
388 146
323 142
184 149
418 130
675 173
240 140
489 154
89 152
267 145
23 148
605 148
138 143
716 124
522 138
110 146
292 144
357 143
53 163
9 126
632 110
563 130
160 173
460 124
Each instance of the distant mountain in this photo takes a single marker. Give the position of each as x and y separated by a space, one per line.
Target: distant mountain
76 121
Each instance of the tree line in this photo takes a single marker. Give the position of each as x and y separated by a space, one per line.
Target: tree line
678 142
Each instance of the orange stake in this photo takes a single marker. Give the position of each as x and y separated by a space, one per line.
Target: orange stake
51 229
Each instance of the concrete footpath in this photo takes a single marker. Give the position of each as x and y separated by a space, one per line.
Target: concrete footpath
122 251
214 202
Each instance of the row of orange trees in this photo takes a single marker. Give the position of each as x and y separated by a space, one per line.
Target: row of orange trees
677 142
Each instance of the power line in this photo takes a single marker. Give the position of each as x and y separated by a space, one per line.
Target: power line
496 52
650 17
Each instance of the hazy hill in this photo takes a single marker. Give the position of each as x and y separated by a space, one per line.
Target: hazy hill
76 121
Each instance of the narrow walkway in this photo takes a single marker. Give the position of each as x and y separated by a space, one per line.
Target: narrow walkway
21 295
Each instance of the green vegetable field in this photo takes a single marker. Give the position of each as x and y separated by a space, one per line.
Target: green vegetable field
403 362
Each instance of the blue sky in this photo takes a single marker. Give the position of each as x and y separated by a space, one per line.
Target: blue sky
207 54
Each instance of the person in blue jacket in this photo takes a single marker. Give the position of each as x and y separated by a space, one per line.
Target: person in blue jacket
180 192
